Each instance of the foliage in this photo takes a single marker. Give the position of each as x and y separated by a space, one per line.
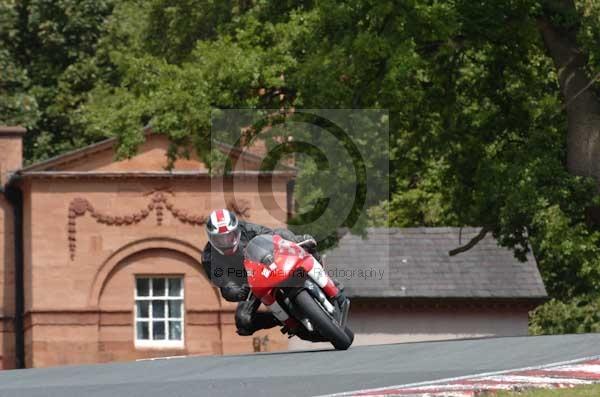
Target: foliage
16 106
51 48
579 315
176 93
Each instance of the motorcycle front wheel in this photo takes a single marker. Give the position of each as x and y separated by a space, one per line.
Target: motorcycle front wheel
323 323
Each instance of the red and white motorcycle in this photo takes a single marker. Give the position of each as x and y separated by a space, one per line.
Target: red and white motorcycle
297 290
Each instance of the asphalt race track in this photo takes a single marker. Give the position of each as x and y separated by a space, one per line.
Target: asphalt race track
307 373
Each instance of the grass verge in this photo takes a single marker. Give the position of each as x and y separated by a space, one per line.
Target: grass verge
580 391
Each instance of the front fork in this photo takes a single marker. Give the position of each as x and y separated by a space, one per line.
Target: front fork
318 274
318 294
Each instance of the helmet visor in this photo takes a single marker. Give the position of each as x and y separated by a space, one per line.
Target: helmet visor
225 241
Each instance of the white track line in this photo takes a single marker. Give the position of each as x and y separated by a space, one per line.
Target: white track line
592 368
161 358
458 378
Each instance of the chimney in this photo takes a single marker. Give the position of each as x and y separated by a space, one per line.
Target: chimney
11 151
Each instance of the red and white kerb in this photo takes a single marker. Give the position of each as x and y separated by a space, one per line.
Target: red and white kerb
584 371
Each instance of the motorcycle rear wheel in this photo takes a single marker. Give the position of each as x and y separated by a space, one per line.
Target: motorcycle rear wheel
322 322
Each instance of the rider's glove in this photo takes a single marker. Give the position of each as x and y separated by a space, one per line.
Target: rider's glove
308 241
233 292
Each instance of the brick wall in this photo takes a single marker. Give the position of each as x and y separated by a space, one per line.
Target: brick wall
7 291
79 297
10 160
11 151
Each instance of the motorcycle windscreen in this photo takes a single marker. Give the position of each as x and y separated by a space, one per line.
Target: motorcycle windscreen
260 249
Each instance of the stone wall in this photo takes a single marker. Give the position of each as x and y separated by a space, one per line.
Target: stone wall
383 322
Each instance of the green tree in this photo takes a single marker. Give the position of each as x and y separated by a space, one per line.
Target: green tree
474 98
51 48
16 106
260 59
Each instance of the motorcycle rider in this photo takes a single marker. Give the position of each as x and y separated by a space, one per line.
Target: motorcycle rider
223 262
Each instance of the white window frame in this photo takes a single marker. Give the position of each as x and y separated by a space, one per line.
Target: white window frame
158 343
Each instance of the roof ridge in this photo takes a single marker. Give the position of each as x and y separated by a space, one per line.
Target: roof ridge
109 143
71 155
441 229
411 262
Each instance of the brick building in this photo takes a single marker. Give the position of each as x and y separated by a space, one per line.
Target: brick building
105 263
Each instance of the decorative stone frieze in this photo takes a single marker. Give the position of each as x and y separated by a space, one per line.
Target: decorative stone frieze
159 202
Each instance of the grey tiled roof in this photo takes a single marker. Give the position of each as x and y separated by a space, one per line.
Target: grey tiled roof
414 263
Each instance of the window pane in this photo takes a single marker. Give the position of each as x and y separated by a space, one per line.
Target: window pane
175 308
174 287
143 309
158 309
175 330
158 287
142 286
142 330
158 330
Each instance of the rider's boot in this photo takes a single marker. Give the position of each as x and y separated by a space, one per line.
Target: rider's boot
248 320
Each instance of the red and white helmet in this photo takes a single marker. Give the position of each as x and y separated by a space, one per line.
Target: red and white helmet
223 231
